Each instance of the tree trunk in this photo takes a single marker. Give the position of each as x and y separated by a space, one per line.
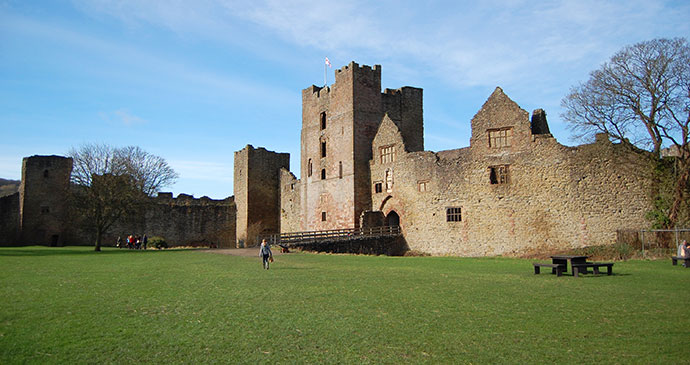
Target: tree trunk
99 239
678 195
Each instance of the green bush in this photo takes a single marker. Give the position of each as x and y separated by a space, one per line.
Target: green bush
158 242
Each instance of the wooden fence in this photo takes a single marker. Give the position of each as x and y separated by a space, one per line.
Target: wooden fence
331 235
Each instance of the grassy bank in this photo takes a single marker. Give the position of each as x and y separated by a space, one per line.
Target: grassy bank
64 305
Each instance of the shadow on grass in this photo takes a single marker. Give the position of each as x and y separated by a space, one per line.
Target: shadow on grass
61 251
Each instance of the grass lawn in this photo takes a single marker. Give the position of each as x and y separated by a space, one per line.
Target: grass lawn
73 305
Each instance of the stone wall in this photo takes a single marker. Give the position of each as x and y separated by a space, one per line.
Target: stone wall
182 221
552 196
338 125
391 246
290 203
257 192
43 199
9 220
38 214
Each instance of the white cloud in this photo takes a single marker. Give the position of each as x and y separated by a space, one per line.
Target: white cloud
465 43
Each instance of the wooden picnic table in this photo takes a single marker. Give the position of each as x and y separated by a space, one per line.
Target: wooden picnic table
565 259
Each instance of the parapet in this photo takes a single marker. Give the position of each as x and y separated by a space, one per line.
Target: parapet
354 66
187 199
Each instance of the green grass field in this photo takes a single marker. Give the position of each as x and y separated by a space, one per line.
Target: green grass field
73 305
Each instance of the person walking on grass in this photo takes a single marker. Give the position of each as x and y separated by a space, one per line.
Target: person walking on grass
265 253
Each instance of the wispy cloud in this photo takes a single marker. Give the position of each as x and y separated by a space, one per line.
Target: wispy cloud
204 170
484 43
122 117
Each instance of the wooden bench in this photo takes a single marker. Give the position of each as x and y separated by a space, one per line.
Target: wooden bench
686 260
555 268
577 268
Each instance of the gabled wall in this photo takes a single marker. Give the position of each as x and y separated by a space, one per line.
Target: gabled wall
556 196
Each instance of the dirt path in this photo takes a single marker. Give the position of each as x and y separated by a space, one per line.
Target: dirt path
247 252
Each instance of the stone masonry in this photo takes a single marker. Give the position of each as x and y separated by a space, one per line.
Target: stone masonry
257 192
515 188
362 163
39 213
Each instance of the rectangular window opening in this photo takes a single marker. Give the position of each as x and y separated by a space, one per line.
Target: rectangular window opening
323 216
378 187
422 186
500 137
453 214
387 154
323 149
499 175
323 120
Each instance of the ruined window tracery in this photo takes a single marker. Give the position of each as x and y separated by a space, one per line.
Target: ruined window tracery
387 154
499 174
453 214
500 137
389 180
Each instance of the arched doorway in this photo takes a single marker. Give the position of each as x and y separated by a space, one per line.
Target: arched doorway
392 219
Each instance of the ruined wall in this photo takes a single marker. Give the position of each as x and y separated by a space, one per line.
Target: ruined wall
9 219
43 199
38 214
182 221
553 196
290 203
257 192
405 107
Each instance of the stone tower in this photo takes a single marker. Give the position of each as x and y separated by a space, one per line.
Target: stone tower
338 126
43 199
257 192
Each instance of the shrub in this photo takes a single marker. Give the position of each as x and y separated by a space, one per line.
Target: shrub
158 242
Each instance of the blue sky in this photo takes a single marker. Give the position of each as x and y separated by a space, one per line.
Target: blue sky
194 81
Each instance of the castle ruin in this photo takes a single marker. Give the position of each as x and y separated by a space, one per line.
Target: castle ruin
514 189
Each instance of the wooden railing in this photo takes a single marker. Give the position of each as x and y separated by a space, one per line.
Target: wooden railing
335 234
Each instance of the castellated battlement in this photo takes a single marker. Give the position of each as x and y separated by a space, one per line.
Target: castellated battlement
186 199
354 66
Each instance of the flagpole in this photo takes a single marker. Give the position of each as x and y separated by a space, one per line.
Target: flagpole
326 65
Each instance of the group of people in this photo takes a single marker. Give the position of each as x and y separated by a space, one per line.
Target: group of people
133 242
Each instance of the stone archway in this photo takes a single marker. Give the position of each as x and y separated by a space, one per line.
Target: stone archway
393 219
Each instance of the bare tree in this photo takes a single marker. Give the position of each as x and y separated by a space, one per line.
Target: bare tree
641 98
110 183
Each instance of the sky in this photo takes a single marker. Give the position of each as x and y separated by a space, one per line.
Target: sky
195 81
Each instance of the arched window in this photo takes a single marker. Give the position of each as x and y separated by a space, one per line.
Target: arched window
323 120
340 170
